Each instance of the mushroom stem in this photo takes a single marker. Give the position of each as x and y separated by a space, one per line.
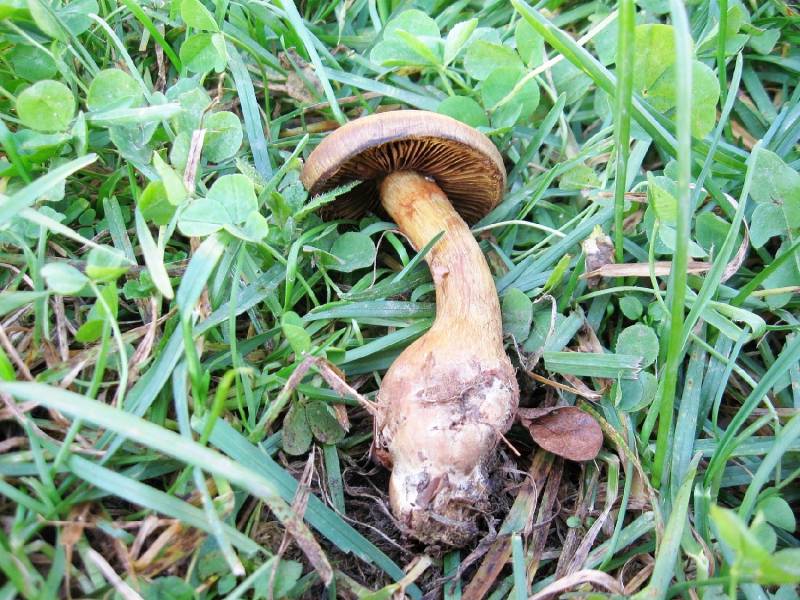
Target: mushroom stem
448 398
466 297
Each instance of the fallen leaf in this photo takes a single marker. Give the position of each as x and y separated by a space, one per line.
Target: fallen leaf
596 578
72 533
564 430
173 544
599 251
302 83
497 553
736 262
341 416
660 268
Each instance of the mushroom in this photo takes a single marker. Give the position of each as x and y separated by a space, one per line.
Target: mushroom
447 399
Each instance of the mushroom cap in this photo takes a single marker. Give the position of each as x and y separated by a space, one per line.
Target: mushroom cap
462 161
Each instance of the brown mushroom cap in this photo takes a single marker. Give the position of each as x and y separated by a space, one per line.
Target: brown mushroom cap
462 161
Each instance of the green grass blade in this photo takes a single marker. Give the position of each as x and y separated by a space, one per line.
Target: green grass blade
788 356
14 204
388 309
252 117
153 257
10 301
296 21
390 91
788 435
9 145
141 431
153 499
580 57
137 12
622 115
583 364
117 227
518 565
319 516
676 288
670 546
203 262
686 423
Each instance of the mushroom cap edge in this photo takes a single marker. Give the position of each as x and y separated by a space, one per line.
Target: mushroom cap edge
462 161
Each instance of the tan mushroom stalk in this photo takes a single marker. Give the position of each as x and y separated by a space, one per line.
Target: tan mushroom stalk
448 398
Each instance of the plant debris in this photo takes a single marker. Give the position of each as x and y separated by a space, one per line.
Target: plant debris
566 431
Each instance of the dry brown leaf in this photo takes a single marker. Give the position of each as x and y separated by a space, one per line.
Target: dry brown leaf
341 416
334 377
108 572
588 340
596 578
498 553
12 353
300 76
315 127
564 430
413 572
660 268
303 536
599 251
173 544
640 577
148 526
581 389
145 347
193 159
71 534
741 132
578 387
663 267
587 539
540 529
736 262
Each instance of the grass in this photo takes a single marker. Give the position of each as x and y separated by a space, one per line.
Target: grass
188 352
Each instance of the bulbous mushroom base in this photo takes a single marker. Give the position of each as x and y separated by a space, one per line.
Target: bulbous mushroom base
441 429
440 507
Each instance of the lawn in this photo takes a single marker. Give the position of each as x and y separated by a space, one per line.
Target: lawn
192 345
